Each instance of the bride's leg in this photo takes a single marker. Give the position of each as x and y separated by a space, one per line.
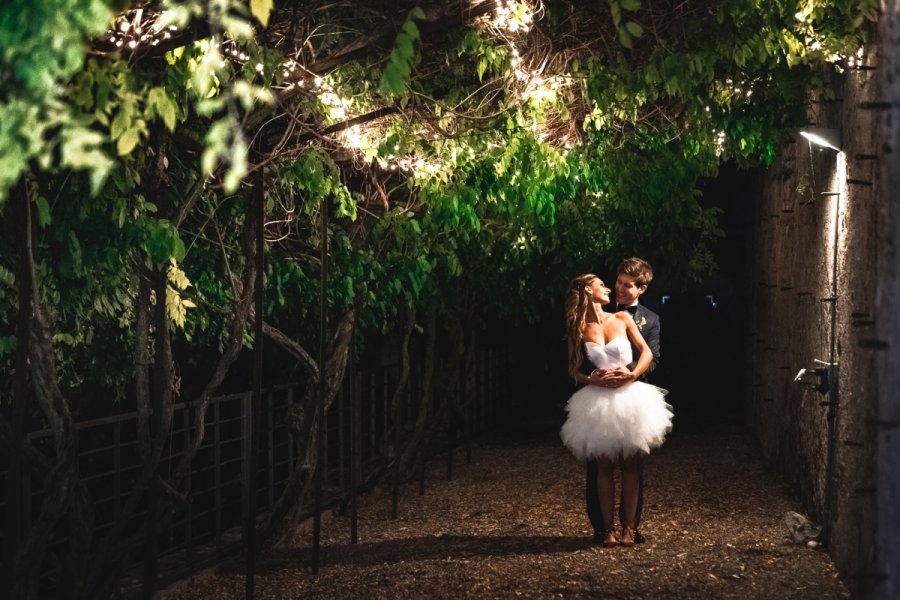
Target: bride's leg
631 483
606 490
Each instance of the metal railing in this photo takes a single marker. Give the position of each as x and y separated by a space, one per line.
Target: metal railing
109 461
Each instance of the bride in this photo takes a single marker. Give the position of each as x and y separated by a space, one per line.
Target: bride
610 424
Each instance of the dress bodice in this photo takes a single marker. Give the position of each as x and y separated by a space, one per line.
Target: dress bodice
614 353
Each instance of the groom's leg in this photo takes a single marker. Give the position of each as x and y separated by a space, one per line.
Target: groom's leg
592 498
640 503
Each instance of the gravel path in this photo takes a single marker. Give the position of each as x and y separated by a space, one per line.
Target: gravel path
511 524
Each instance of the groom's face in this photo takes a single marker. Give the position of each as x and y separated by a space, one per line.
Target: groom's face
627 292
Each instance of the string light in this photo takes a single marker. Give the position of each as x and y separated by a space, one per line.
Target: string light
511 17
133 29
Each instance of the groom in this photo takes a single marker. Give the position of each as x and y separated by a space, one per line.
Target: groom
632 278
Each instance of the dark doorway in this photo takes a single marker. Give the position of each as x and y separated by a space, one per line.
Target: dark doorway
705 327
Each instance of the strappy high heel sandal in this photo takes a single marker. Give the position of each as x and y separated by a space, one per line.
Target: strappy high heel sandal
628 535
609 538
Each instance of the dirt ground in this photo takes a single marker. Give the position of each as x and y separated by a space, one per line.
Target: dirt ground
512 524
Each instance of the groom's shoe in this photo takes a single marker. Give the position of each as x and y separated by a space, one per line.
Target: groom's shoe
639 537
598 538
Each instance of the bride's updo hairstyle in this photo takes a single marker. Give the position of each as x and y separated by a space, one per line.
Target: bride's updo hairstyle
577 301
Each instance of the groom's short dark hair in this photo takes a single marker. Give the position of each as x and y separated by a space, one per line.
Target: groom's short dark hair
638 268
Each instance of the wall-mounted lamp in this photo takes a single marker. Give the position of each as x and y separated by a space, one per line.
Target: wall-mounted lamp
821 136
820 378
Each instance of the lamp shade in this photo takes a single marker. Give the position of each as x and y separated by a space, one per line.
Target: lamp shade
824 137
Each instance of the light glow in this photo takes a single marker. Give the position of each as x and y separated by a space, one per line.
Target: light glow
826 138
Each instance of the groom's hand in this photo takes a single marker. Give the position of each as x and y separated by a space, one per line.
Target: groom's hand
617 378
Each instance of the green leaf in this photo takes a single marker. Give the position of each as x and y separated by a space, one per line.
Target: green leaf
160 104
397 72
75 252
126 143
631 5
411 30
634 29
482 67
161 242
119 124
616 12
43 211
216 138
80 150
261 9
7 344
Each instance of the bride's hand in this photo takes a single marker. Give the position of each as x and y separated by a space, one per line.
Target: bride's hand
597 377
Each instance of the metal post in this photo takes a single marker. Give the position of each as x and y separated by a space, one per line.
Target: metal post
320 405
341 419
188 511
450 435
217 475
423 445
395 492
469 415
270 438
833 406
373 437
355 450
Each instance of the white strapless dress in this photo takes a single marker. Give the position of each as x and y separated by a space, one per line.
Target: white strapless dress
613 421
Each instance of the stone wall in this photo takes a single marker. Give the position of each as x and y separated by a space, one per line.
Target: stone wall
827 288
886 567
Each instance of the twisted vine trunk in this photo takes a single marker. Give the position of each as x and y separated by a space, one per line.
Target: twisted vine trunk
409 323
154 381
236 329
301 418
415 448
165 497
14 433
63 493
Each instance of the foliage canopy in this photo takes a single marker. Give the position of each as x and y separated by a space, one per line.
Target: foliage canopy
469 148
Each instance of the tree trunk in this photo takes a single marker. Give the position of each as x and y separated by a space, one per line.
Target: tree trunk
290 506
20 392
242 311
155 402
61 482
415 448
403 381
142 362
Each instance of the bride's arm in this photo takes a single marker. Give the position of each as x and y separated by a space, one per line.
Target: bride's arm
637 339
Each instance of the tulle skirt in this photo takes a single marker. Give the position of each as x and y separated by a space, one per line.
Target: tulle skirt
613 421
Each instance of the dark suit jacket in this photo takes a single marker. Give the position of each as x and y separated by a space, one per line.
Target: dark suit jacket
648 324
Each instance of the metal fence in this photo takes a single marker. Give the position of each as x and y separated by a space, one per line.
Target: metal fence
109 461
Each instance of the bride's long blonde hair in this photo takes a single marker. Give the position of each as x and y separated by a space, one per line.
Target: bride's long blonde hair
577 303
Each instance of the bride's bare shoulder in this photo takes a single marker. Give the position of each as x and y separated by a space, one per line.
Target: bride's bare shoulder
624 315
